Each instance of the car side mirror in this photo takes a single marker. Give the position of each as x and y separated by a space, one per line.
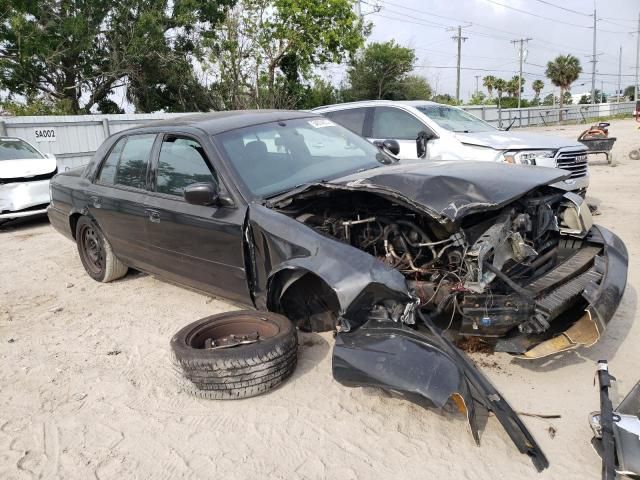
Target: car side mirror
201 194
421 142
392 146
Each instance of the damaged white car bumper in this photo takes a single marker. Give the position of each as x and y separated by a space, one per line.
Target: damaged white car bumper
23 199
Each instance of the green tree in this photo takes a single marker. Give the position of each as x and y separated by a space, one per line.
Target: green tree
446 99
478 98
379 71
319 93
266 49
500 85
537 87
489 83
630 92
586 99
563 71
513 86
80 51
414 87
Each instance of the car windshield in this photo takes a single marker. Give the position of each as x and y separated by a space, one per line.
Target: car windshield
454 119
16 149
274 157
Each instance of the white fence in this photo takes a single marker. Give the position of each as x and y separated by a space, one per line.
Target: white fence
73 139
533 116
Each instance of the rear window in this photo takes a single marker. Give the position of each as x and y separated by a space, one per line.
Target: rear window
353 119
16 149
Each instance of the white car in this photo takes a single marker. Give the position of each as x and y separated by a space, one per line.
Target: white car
25 173
453 134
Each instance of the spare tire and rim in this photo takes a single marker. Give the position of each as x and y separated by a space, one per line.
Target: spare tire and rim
235 354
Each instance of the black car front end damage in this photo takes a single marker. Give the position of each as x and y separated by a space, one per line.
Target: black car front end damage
529 275
405 262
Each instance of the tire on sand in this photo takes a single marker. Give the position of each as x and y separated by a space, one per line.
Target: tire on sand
240 371
96 253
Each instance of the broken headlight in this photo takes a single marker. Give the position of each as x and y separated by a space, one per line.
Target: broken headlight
527 157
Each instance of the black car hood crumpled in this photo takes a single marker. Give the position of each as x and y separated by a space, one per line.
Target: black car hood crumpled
449 189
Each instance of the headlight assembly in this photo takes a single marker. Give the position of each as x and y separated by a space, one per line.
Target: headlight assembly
527 157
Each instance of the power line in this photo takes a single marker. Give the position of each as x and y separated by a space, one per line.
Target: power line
536 15
563 8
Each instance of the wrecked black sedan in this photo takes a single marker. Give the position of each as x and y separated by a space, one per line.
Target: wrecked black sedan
289 212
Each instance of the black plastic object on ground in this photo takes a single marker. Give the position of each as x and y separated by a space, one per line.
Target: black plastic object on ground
617 431
426 368
235 354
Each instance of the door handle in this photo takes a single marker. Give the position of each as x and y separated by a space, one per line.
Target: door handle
97 201
154 215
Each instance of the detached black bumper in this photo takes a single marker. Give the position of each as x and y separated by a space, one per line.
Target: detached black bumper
601 287
426 368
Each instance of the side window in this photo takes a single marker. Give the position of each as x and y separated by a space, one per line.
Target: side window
394 123
132 168
353 118
108 171
182 162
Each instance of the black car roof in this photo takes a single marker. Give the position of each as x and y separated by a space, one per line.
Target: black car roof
217 122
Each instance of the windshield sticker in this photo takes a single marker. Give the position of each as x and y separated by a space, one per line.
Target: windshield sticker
321 123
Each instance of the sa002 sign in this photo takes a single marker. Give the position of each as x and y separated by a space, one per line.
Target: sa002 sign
45 134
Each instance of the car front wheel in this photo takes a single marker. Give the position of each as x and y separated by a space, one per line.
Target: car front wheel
96 253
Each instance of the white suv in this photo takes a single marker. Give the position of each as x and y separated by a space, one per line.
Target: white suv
454 134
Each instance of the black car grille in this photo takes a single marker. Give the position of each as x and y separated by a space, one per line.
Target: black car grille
35 178
573 162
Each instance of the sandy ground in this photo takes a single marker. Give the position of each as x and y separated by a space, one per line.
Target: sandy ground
87 389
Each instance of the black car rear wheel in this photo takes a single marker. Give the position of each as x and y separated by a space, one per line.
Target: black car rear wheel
96 253
235 354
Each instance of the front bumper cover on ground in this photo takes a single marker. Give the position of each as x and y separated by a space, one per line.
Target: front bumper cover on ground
426 368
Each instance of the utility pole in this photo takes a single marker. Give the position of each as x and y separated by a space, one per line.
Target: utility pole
601 91
637 59
477 88
619 92
459 38
594 60
521 41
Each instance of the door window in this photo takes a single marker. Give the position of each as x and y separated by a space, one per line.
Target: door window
127 162
108 171
393 123
132 168
353 118
182 162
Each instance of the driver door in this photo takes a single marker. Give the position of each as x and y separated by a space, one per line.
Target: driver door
195 245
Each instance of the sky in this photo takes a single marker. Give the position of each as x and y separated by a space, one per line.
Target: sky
492 24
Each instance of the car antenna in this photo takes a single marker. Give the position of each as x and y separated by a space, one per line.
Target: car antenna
510 125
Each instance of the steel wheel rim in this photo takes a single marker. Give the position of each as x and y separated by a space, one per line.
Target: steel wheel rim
92 249
265 329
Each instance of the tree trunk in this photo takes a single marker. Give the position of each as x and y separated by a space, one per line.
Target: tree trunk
561 102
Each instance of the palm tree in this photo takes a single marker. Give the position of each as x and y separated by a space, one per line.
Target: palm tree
513 85
537 87
500 85
489 83
563 71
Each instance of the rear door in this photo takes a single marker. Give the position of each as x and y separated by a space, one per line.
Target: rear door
195 245
391 123
117 198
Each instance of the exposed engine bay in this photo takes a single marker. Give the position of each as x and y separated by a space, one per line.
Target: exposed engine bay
486 276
